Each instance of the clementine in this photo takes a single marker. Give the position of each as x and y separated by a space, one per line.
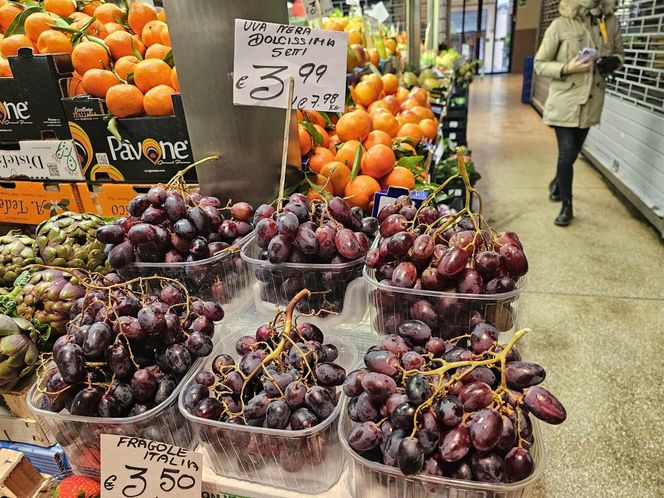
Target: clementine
151 32
158 101
157 51
393 103
8 13
323 134
97 82
124 101
323 183
314 118
306 143
54 42
390 83
5 70
387 123
165 37
334 141
120 44
399 177
139 15
89 55
377 137
125 65
354 125
36 24
378 161
63 8
150 73
346 153
109 13
360 192
112 27
175 83
365 93
320 158
9 46
376 80
411 130
339 175
429 128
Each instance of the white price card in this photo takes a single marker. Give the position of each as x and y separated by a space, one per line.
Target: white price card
267 54
378 12
312 8
132 467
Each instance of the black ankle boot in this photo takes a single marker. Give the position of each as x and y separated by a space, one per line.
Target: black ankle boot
566 215
554 193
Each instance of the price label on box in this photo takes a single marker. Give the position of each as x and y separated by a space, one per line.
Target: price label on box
267 54
132 467
312 8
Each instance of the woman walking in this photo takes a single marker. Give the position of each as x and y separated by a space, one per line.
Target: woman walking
579 49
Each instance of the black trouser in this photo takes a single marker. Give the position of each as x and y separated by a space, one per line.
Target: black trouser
570 141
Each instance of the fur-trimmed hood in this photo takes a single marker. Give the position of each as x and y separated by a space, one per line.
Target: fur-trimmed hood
581 8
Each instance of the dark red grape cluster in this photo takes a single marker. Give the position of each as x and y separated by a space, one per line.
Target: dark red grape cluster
422 250
459 408
125 352
169 226
311 232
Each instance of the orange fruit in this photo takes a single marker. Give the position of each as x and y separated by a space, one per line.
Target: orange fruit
90 6
151 32
422 112
175 83
165 37
408 117
377 137
6 71
108 13
306 143
334 141
54 42
323 134
375 79
97 82
75 85
8 13
63 8
360 192
390 45
89 55
373 56
402 94
158 101
120 44
354 125
387 123
314 118
339 175
409 103
9 46
355 37
151 73
161 14
124 101
429 128
77 16
365 93
346 153
36 24
409 148
411 130
157 51
399 177
125 65
393 103
320 158
379 104
139 15
112 27
320 181
390 83
95 29
378 161
420 95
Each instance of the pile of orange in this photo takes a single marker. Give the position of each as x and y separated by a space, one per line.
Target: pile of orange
387 119
117 55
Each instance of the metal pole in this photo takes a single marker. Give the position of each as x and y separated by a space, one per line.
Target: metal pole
436 23
430 24
414 29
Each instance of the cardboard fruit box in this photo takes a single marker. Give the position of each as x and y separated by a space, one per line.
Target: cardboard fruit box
109 200
30 102
151 149
30 203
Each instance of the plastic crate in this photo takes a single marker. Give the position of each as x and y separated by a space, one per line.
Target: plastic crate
338 289
308 461
390 306
223 278
79 436
369 479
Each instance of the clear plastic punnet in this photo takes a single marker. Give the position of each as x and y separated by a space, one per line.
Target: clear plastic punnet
339 293
368 479
80 436
390 306
222 278
307 461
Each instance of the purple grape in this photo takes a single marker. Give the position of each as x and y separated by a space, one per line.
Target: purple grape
365 436
486 428
209 409
352 385
456 444
475 396
544 405
379 386
518 464
302 418
277 415
143 385
410 456
487 467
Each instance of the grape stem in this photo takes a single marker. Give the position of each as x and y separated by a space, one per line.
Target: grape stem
447 366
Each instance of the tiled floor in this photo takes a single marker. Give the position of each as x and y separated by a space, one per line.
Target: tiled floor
595 302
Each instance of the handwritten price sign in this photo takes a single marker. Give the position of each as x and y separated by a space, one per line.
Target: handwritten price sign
132 467
267 54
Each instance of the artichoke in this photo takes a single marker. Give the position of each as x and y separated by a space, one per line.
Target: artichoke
68 240
16 252
18 350
47 297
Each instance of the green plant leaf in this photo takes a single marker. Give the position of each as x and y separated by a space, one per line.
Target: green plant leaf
17 27
326 117
130 78
357 159
136 53
311 129
411 163
169 59
112 128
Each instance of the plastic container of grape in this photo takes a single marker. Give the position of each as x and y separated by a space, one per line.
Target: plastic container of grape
339 293
390 306
79 436
223 278
308 461
369 479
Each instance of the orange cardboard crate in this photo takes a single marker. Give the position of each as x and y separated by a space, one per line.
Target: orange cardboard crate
30 203
108 199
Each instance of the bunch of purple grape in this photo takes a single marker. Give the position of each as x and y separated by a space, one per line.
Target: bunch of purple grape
420 249
170 226
311 232
125 352
448 408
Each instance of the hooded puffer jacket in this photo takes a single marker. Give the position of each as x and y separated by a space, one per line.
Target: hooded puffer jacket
576 100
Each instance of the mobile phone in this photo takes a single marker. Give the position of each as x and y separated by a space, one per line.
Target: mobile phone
587 54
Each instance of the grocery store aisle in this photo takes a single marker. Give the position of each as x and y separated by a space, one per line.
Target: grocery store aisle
595 302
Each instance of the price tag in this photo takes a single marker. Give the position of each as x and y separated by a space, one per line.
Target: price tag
378 12
326 6
266 54
132 467
311 7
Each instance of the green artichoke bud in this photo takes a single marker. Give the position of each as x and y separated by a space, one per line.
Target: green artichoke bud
47 297
8 327
68 240
18 353
16 252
